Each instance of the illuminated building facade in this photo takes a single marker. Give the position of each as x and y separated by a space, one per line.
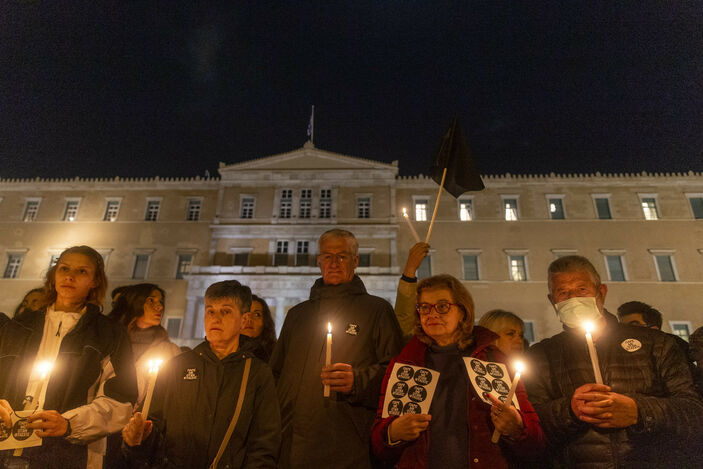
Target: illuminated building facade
259 223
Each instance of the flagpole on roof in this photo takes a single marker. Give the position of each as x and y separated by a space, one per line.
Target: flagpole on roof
311 125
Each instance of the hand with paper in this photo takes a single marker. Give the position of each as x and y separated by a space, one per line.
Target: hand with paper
408 427
48 423
5 412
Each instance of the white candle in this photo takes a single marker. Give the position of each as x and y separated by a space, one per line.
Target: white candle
519 368
328 356
588 326
153 373
410 225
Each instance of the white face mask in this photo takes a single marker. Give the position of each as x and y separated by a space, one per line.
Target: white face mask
575 311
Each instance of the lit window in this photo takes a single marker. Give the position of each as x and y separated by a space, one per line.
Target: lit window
518 271
141 266
302 254
305 203
649 208
466 210
12 269
421 209
556 208
247 210
363 207
665 267
602 208
681 329
281 256
325 203
510 209
696 207
184 263
286 206
616 270
152 210
194 209
112 209
470 262
31 208
71 210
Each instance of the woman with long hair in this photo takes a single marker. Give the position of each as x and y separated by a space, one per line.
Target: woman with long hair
92 385
259 326
457 431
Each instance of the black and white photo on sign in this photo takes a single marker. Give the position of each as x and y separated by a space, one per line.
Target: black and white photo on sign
410 390
489 378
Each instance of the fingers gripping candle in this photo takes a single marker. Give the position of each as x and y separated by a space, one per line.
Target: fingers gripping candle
519 368
153 373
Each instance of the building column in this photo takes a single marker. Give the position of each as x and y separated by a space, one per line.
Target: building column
188 328
280 313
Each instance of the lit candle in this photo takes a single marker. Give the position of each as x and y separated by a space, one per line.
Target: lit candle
44 369
588 327
153 373
328 355
410 225
519 368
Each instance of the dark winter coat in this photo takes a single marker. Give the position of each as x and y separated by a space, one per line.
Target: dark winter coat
481 453
194 401
78 367
643 364
332 432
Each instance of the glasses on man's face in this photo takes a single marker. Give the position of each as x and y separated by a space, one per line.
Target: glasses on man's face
443 307
327 258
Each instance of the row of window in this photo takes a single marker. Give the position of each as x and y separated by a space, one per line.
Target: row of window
112 209
518 266
140 267
555 207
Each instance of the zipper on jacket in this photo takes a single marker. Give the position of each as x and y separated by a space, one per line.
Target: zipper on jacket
58 331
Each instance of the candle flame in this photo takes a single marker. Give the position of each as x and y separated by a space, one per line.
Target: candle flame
405 212
329 327
519 366
44 368
588 327
154 365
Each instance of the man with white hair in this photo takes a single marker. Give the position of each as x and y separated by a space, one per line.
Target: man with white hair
646 413
321 432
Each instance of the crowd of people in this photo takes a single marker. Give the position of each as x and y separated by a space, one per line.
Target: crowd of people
244 398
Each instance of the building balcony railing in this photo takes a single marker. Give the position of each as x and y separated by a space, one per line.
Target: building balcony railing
281 270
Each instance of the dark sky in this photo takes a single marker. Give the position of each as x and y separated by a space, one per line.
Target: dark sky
171 88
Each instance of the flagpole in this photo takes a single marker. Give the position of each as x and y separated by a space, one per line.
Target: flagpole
436 204
312 125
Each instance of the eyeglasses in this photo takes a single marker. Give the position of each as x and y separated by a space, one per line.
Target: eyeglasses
423 309
339 258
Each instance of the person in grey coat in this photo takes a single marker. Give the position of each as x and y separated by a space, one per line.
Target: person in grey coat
333 431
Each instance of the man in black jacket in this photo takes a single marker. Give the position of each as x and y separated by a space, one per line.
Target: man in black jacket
196 395
321 432
645 414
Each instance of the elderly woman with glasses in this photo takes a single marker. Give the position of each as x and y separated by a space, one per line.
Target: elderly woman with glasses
457 431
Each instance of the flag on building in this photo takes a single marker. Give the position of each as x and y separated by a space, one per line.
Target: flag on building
454 154
311 124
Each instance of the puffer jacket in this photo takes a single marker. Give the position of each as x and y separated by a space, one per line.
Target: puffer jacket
481 453
643 364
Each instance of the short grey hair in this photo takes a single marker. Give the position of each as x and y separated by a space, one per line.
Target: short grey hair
339 233
572 264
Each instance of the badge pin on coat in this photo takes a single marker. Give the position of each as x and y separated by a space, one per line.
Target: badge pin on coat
631 345
190 374
352 329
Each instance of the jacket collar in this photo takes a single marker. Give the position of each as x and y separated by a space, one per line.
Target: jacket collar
320 291
244 351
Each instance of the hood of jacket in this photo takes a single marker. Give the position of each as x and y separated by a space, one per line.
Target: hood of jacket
320 291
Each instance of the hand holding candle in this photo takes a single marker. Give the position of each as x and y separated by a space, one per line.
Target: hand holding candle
410 225
328 356
588 327
153 373
519 368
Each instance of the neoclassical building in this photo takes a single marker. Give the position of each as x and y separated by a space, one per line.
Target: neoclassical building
260 220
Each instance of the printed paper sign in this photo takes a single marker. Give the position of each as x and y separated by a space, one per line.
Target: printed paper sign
489 377
19 436
410 390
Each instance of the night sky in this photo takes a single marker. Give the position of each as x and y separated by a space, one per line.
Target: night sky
171 88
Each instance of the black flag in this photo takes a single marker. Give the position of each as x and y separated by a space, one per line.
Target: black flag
454 154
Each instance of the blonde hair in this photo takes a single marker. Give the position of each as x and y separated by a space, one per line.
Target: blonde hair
491 319
460 296
96 295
